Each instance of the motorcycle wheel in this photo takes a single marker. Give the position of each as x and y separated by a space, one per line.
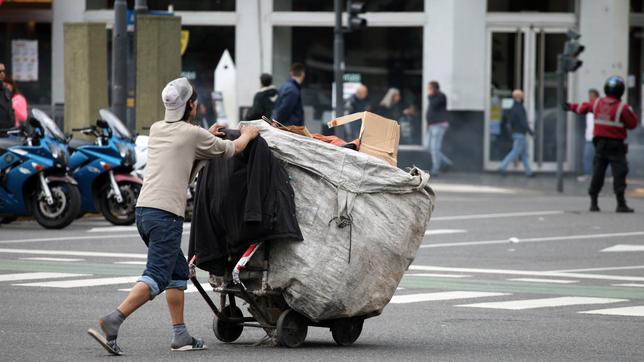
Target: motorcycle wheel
63 211
119 213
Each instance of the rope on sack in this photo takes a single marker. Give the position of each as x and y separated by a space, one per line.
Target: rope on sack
342 222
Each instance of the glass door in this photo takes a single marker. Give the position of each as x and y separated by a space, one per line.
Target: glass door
524 58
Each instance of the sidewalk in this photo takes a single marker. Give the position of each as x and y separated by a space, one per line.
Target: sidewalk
490 182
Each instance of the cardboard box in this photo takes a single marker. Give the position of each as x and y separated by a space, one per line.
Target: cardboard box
379 136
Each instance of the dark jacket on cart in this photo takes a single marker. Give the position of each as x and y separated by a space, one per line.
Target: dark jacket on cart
240 201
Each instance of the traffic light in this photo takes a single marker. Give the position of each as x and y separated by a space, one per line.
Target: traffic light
354 9
572 49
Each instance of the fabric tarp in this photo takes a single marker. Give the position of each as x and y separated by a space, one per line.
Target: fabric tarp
362 221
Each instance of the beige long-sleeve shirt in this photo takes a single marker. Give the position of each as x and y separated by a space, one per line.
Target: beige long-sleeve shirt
173 148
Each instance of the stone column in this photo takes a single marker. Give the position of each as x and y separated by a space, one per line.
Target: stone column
158 62
63 11
85 73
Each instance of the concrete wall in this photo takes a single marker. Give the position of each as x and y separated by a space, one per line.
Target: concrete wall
63 11
85 73
158 62
603 25
455 51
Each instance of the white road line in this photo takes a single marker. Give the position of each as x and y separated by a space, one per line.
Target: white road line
74 253
601 269
426 297
111 229
474 189
542 303
632 285
52 259
495 216
438 275
131 262
36 276
444 231
623 247
538 280
636 311
536 240
81 282
70 238
526 273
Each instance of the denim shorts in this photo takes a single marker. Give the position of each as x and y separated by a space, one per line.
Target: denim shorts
166 267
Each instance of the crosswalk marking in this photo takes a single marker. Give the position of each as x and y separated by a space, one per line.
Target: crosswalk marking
36 276
73 253
81 282
540 280
438 275
425 297
542 303
636 311
444 231
634 285
112 229
52 259
131 262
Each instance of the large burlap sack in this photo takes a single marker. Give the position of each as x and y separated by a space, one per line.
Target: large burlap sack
362 221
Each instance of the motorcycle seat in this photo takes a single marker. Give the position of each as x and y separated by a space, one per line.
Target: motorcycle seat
6 142
74 143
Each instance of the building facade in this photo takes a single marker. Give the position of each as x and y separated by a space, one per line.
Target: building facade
477 50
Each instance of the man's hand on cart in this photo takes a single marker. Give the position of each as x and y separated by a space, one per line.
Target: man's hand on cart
251 131
216 130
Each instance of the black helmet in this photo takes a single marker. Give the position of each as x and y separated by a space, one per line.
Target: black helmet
614 86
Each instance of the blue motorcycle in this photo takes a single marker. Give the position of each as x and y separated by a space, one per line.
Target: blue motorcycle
102 169
33 174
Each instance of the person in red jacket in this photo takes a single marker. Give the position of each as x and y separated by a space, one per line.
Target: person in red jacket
612 118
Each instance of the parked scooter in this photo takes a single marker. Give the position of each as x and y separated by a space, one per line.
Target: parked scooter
102 169
33 174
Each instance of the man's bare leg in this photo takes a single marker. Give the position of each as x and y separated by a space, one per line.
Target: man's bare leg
181 339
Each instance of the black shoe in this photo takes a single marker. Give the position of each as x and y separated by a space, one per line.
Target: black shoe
594 206
621 205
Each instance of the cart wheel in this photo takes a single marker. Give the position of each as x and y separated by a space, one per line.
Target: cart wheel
291 329
226 331
345 331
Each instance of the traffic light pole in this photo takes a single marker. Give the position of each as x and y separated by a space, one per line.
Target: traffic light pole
561 119
119 60
338 59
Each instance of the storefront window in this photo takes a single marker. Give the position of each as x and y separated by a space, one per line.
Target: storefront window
546 6
380 58
33 40
327 5
179 5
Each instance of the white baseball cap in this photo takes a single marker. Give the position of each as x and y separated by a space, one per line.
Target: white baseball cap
175 96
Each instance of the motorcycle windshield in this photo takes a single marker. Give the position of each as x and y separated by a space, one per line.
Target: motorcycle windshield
118 128
50 127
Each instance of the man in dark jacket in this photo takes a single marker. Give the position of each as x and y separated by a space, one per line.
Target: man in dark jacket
288 108
437 122
264 100
6 108
517 121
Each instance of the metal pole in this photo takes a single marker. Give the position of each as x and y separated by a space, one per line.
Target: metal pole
338 59
119 59
561 119
140 8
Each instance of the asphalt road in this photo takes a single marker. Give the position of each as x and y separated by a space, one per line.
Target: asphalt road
503 275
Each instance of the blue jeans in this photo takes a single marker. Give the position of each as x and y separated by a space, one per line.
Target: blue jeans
435 141
519 149
166 267
589 154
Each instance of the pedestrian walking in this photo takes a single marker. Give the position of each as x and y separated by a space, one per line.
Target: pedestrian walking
437 122
612 118
174 146
359 102
517 121
18 101
390 105
264 100
288 107
589 148
7 119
